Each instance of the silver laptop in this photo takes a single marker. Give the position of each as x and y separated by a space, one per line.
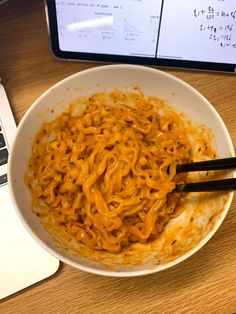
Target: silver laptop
23 261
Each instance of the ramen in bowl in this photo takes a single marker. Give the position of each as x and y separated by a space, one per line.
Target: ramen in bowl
100 174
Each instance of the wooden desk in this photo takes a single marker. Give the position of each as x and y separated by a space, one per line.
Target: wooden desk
205 283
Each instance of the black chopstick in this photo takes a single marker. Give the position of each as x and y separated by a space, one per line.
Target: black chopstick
207 186
215 164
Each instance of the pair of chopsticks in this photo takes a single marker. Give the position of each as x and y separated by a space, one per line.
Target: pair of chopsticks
207 186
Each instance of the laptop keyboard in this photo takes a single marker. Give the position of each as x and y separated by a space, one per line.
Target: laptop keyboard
3 157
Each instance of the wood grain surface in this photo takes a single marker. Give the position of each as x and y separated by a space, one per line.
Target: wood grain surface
205 283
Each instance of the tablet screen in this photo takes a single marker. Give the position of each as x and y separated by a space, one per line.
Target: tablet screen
196 31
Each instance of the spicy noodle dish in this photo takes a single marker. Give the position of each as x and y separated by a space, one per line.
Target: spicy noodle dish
101 177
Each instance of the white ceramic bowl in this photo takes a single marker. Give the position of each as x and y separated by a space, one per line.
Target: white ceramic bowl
55 100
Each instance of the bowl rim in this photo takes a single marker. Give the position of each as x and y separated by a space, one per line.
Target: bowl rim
108 272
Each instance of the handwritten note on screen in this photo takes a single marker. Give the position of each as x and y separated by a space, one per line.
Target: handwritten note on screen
198 30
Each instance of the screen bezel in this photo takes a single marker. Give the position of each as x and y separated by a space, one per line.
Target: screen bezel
50 7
